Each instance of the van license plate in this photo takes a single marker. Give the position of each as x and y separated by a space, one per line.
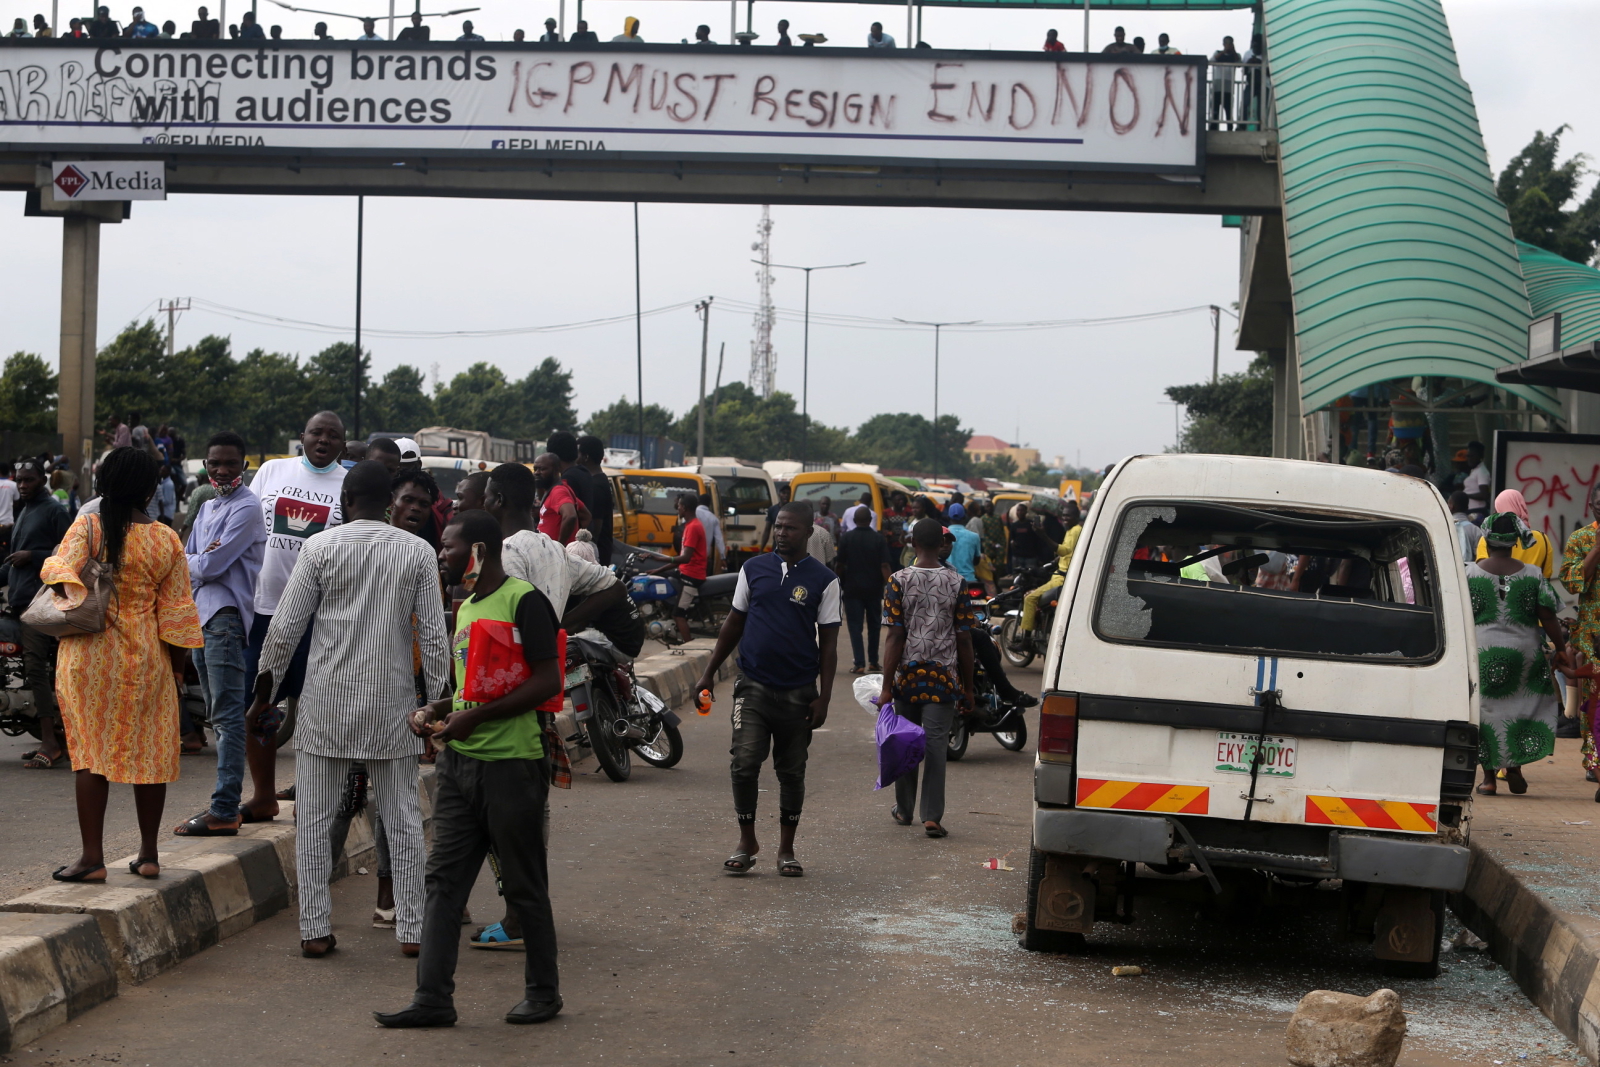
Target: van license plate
1236 752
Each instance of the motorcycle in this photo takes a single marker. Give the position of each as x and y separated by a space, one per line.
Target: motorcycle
990 714
616 716
1020 646
656 595
17 714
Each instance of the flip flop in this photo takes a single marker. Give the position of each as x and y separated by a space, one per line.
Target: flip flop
790 868
894 813
135 865
246 815
739 863
935 830
198 827
39 762
494 936
81 876
1515 781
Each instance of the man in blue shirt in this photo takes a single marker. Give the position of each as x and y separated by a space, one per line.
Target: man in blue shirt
964 553
785 622
225 548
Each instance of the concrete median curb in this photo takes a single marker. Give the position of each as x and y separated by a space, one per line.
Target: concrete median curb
1549 953
68 946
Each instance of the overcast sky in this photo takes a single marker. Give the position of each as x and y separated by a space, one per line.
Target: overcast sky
1091 395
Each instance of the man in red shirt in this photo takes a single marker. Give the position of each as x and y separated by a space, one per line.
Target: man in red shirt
691 563
559 505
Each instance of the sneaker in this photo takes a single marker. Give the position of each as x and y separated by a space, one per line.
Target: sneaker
383 918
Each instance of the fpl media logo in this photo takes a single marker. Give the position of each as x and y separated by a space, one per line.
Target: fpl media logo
71 181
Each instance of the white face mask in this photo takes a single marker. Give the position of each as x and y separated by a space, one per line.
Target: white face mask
313 467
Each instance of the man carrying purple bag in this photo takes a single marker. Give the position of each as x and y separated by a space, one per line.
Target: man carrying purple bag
927 666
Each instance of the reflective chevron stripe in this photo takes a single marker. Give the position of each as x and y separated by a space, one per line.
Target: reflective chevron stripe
1144 796
1373 814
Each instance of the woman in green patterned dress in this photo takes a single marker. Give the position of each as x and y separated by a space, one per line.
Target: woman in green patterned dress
1511 602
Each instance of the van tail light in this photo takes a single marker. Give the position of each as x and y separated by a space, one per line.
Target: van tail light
1058 728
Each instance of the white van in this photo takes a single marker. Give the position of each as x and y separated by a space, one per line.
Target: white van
1228 729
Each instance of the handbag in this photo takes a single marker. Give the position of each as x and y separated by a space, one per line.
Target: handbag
88 617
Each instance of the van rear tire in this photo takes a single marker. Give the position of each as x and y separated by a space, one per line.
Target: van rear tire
1035 940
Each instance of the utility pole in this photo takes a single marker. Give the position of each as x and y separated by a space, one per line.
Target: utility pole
805 359
1216 340
704 310
638 327
1086 25
716 390
933 444
361 224
172 307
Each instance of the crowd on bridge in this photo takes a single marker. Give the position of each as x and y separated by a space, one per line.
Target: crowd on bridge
203 28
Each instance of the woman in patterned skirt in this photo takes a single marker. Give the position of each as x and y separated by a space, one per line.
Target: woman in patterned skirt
118 689
1512 603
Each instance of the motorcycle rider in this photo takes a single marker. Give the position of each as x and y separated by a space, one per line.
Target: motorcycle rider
41 524
1069 542
984 650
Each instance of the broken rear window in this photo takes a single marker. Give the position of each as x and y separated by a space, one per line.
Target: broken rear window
1232 579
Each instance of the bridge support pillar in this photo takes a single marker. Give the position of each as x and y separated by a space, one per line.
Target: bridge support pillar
1288 428
80 301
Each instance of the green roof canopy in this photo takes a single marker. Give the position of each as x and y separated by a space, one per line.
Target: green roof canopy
1558 284
1094 5
1401 260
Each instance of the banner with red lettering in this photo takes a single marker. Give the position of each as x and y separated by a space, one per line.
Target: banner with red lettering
1555 472
852 106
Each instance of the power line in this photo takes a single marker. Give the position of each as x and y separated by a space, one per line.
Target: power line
796 315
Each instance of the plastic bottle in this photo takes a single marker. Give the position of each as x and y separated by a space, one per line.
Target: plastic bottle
702 702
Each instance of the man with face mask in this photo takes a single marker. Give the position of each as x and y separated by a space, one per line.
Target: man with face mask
225 547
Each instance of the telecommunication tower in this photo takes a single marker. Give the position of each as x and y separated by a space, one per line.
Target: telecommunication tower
763 359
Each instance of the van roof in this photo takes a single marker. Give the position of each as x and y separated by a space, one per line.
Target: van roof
1260 480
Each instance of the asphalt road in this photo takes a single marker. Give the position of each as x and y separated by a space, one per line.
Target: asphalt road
893 949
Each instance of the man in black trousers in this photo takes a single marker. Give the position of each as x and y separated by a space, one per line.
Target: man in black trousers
494 777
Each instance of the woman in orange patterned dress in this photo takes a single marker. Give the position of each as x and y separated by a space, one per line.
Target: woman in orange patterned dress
116 689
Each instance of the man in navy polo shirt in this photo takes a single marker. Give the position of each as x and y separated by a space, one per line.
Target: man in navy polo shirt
785 620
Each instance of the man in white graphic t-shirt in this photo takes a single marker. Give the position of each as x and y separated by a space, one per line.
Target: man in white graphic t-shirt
299 499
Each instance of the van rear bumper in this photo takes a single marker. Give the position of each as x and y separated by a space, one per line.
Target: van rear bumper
1152 839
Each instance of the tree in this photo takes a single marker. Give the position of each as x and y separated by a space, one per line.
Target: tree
907 442
273 401
1535 190
999 467
545 401
480 398
200 385
330 384
398 403
128 375
1232 416
623 417
27 395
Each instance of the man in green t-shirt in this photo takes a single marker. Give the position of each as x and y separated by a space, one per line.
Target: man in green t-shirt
493 777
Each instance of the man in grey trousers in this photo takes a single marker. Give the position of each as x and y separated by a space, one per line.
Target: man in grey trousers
927 665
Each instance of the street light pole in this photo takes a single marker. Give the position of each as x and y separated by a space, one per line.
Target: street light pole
704 308
933 448
1216 340
805 358
361 225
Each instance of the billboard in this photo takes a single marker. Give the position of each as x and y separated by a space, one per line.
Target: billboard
1554 472
846 106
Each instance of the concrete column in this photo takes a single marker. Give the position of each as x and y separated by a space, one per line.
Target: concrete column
1286 413
1279 406
80 300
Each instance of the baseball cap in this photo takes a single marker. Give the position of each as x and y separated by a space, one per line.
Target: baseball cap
409 452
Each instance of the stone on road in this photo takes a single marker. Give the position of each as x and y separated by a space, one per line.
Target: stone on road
1341 1030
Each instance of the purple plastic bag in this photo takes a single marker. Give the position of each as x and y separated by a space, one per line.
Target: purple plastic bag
901 745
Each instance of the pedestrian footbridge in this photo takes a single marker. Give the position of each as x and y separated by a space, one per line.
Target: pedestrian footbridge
1373 246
